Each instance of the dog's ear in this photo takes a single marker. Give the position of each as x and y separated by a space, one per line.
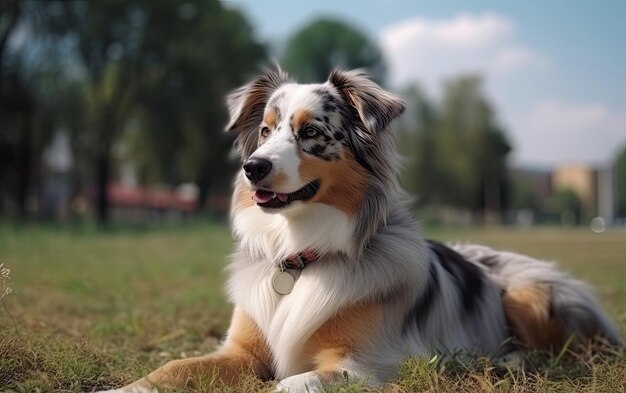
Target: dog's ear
375 106
246 106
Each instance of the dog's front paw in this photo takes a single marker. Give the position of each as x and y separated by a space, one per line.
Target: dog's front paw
513 360
300 383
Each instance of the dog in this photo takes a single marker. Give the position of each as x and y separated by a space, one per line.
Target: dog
331 278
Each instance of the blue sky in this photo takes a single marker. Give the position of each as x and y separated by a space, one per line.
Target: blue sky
555 70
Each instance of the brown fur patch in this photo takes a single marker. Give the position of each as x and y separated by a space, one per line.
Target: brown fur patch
271 117
246 337
246 350
343 181
300 118
242 196
331 377
528 311
326 360
351 328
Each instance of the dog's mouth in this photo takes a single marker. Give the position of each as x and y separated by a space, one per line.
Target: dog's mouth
277 200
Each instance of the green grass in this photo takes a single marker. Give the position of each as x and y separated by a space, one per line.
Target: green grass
97 310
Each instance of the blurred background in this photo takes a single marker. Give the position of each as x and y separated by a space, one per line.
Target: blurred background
113 111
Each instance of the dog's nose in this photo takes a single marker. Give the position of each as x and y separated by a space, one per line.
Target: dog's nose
257 168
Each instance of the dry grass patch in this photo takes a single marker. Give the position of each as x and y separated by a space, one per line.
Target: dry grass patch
98 310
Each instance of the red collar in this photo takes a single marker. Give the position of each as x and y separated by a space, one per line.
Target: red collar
300 260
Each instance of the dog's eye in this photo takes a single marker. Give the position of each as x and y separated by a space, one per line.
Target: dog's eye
265 131
309 132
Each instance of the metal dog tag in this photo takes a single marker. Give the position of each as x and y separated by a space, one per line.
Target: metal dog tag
283 282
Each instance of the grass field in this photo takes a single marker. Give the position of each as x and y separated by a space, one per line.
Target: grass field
97 310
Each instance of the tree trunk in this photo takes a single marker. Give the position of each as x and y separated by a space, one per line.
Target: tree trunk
203 186
24 166
103 169
103 161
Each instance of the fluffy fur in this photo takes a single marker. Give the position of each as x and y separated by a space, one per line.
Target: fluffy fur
379 292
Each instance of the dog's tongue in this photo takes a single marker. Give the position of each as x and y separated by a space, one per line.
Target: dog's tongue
262 196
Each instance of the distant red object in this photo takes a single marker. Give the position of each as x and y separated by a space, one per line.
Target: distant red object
135 197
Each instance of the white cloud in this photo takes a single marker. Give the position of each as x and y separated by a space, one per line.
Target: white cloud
554 131
515 58
559 115
543 131
430 50
464 30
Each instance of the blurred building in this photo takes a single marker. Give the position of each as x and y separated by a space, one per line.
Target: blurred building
594 186
607 194
128 201
144 205
580 178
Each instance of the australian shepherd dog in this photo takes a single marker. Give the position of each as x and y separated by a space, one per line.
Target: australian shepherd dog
331 277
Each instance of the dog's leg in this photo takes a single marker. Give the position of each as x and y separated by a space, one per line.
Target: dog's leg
332 349
345 371
245 349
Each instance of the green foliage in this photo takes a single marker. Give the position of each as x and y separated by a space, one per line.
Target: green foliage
524 196
459 149
182 112
134 80
473 148
326 44
25 115
566 201
417 142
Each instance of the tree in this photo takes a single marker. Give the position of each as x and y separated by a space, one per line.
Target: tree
457 151
473 149
9 16
524 196
10 12
183 108
152 66
24 113
566 202
326 44
103 41
418 135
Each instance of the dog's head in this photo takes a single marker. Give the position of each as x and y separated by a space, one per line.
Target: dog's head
309 143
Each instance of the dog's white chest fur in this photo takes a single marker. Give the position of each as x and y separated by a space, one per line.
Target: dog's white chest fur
287 321
320 227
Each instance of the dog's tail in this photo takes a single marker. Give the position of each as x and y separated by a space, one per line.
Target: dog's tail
544 306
